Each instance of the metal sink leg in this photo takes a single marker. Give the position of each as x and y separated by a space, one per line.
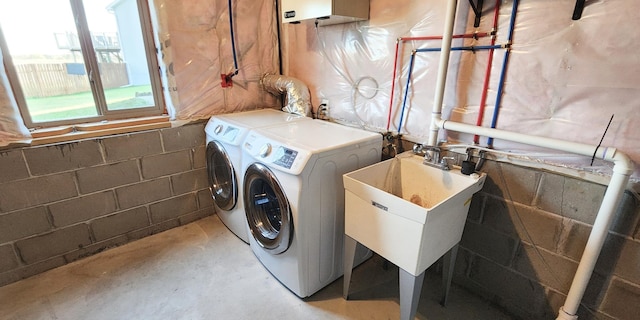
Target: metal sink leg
410 288
349 256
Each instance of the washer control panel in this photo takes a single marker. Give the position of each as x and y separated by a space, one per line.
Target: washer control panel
285 157
276 154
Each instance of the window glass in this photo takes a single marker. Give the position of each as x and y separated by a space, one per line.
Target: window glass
117 40
79 60
47 59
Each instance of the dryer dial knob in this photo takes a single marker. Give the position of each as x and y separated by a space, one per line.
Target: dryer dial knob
218 129
265 151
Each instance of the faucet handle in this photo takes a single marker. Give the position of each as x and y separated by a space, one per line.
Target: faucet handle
444 162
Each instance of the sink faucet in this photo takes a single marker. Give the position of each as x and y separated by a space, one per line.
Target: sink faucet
432 156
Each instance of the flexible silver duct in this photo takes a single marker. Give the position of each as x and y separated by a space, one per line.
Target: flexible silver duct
297 99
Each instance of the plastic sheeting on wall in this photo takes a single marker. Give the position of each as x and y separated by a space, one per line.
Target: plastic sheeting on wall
564 80
196 49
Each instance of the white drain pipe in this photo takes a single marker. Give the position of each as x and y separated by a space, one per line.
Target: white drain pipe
623 167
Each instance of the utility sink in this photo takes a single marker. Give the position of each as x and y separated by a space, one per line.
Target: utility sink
406 211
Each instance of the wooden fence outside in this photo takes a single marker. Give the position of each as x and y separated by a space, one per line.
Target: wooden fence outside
54 79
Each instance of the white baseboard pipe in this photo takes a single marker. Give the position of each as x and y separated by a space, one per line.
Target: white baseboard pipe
623 167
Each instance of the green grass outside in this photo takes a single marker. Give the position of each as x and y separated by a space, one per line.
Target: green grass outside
81 105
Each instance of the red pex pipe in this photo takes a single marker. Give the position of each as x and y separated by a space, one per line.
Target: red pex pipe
393 83
487 74
405 39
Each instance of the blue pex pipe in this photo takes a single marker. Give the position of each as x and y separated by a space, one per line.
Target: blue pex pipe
503 72
406 92
467 48
411 62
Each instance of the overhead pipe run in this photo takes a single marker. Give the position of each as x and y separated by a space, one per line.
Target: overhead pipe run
410 72
487 73
622 169
503 72
402 40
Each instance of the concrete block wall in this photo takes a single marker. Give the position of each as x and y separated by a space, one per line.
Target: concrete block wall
524 237
59 203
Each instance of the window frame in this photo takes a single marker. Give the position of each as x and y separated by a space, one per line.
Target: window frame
91 64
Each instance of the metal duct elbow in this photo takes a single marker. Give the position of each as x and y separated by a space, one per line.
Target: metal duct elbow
298 98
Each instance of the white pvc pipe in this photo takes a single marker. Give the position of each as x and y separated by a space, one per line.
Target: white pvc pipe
623 167
443 67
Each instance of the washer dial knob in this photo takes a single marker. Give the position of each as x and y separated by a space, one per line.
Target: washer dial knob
265 151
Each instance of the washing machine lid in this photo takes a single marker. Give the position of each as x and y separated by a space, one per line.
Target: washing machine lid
222 177
290 146
232 128
267 209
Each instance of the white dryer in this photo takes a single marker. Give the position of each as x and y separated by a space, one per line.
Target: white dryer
224 136
294 198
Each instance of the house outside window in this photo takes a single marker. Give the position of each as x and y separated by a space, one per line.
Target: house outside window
78 61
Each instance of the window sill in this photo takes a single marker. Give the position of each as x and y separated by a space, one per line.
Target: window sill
98 129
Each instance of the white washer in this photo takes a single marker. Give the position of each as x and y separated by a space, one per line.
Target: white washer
224 136
294 198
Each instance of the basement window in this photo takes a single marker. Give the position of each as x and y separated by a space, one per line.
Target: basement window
80 61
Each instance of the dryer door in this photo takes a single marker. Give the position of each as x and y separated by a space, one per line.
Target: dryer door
267 209
222 177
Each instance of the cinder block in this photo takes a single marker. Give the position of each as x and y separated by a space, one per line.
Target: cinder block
199 157
475 209
173 208
204 198
627 217
24 223
95 248
189 181
82 208
54 243
545 267
550 193
197 215
63 157
165 164
120 223
488 243
620 256
511 182
8 259
512 288
143 193
36 191
622 299
30 270
526 223
573 239
581 200
13 166
108 176
133 145
153 229
183 137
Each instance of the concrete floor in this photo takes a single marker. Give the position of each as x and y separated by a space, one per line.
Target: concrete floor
202 271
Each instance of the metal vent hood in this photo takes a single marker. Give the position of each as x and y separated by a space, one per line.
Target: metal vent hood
326 12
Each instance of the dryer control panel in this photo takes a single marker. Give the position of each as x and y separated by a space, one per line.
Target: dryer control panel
286 157
275 154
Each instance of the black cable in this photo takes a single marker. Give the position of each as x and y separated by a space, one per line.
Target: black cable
601 139
280 68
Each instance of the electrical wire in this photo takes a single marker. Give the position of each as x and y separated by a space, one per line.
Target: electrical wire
233 41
